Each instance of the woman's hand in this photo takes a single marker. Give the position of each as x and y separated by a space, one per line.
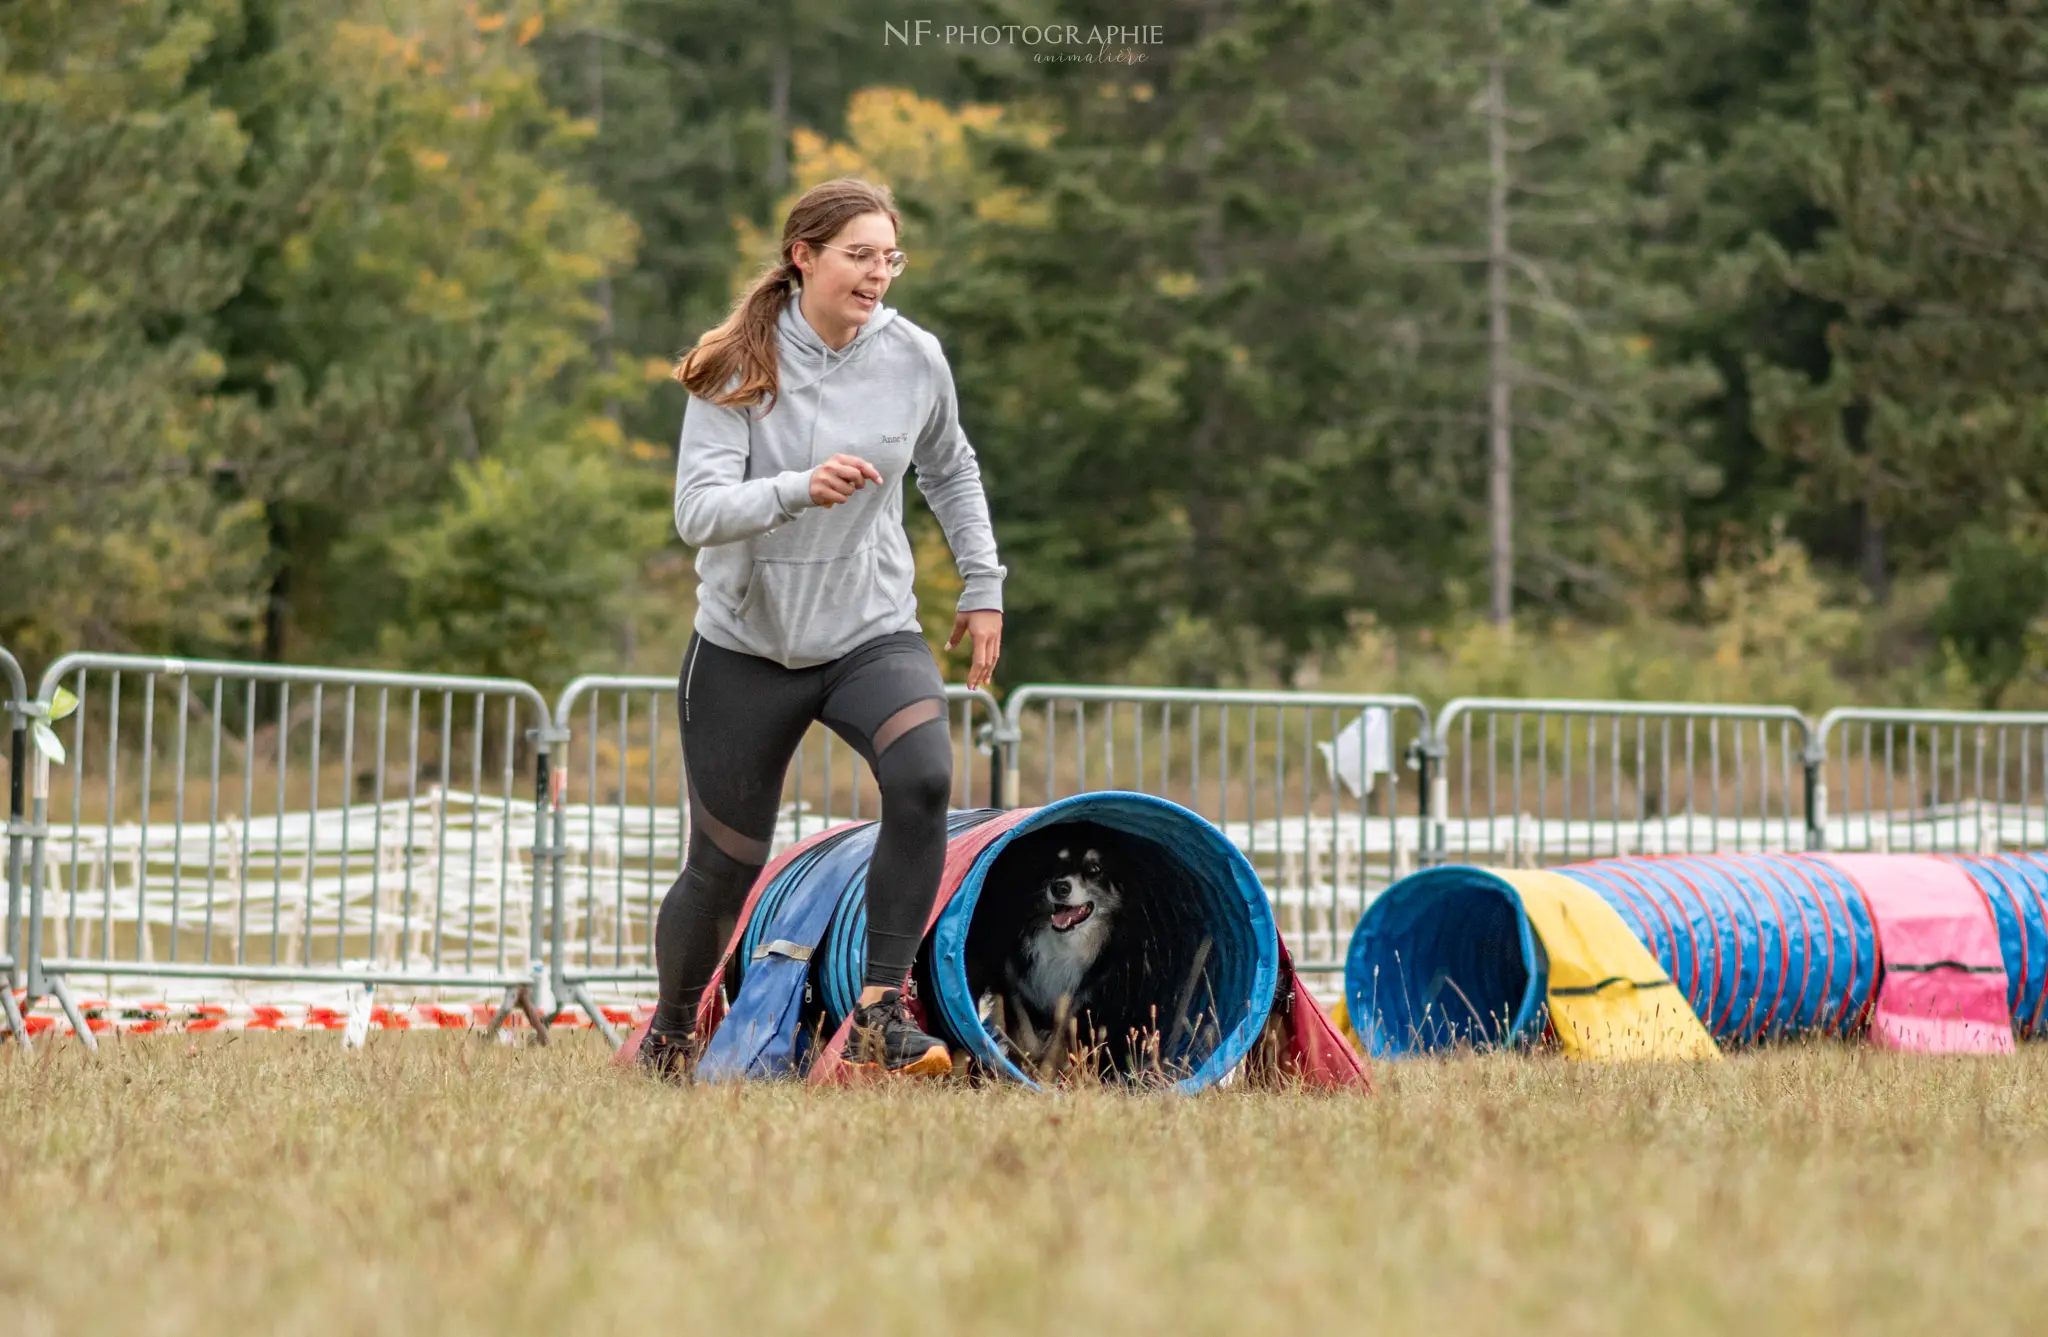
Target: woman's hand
840 477
985 625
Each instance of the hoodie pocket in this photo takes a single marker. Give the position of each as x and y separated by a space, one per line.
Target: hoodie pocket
723 574
809 611
750 587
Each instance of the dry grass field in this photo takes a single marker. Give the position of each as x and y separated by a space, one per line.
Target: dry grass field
440 1185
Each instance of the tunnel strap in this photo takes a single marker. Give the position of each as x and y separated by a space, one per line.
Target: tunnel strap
1965 967
795 951
1943 990
1588 990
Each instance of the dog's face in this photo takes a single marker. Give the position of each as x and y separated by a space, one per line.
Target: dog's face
1079 888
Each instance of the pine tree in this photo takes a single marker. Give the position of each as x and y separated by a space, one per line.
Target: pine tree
1528 406
1929 151
1721 87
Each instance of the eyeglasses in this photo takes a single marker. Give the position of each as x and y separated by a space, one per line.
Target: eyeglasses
864 256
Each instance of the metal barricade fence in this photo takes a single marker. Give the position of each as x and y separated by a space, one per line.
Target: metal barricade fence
1932 780
1525 783
220 825
621 817
12 950
1307 784
289 826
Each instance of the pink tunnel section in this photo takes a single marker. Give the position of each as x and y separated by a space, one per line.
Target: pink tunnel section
1944 987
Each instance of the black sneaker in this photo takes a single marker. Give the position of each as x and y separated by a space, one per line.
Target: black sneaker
672 1058
885 1039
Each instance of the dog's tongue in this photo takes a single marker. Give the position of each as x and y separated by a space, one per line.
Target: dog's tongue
1067 916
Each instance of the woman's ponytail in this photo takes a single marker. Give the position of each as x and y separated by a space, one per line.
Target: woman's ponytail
743 345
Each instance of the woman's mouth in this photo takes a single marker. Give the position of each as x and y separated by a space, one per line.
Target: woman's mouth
865 299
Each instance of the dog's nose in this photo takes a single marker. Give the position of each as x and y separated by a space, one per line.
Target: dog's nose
1060 886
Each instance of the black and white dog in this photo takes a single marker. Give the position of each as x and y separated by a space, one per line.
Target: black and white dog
1052 903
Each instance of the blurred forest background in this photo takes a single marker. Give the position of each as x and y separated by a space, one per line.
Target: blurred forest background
338 331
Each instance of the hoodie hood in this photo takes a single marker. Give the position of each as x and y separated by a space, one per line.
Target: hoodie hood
805 356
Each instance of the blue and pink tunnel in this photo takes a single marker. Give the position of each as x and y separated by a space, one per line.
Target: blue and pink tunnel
1671 956
1203 976
1912 952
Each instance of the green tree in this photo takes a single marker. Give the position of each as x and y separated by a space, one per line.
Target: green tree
1717 88
1997 592
1520 353
515 572
696 104
1927 152
428 307
127 223
1151 349
275 270
1244 371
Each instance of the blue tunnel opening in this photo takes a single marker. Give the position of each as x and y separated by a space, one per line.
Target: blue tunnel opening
1188 976
1445 958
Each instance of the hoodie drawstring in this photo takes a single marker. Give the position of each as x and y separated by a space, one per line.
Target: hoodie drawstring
832 364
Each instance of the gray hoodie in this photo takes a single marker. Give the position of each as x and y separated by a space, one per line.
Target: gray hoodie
783 578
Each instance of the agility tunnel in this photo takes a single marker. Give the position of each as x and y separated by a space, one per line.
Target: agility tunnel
1193 981
1460 956
1911 952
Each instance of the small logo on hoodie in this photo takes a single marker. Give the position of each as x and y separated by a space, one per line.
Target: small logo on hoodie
895 440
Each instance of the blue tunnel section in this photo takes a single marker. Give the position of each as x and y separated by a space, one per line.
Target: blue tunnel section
1444 958
846 941
1763 946
1200 960
835 870
1196 935
2016 889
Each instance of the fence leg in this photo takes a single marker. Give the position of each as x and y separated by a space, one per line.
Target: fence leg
17 831
520 996
16 1027
505 1006
545 946
530 1005
596 1014
62 993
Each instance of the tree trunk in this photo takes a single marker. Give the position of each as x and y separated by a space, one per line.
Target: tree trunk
277 607
778 107
1500 481
1872 559
1205 519
604 283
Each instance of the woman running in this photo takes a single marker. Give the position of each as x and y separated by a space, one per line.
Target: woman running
807 406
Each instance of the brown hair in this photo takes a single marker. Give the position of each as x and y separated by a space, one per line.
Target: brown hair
744 343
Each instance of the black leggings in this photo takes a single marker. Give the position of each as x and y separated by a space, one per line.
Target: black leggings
742 718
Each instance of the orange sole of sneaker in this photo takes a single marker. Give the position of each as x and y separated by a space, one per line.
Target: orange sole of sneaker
936 1063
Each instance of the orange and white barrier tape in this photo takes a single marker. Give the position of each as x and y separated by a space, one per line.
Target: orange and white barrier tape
124 1017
